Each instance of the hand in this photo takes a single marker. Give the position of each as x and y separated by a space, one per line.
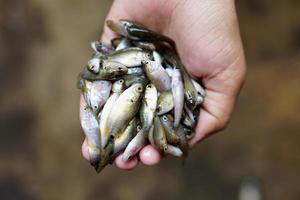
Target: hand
207 37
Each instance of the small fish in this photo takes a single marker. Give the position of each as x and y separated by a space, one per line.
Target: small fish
190 118
106 156
135 31
117 88
157 57
90 126
183 144
124 109
131 79
93 65
191 94
159 135
95 93
167 123
134 146
130 57
109 71
124 43
144 45
178 96
165 103
174 151
122 140
157 75
101 48
199 88
148 107
99 94
150 135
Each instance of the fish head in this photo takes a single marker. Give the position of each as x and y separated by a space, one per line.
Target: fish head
93 65
118 86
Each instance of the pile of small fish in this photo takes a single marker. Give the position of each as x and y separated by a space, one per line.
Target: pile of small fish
136 91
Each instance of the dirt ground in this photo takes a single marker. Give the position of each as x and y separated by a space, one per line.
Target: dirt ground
43 46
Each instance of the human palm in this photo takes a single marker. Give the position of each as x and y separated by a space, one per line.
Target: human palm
208 41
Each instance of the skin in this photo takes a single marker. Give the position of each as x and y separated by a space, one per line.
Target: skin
208 40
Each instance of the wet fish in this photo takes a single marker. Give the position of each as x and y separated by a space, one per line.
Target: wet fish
150 135
165 103
130 57
106 156
124 43
131 79
110 70
199 88
135 31
144 45
148 107
122 139
124 109
183 144
93 65
134 146
117 88
90 126
99 94
191 94
174 151
157 75
167 123
159 135
178 96
102 48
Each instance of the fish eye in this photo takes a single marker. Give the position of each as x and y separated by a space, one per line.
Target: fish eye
121 81
149 86
139 88
119 68
95 107
165 118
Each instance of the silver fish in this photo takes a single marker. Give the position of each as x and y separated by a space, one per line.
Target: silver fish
150 136
178 96
159 135
90 126
99 94
134 145
124 43
174 151
122 140
118 87
199 88
167 123
94 65
165 103
130 57
157 75
124 109
148 107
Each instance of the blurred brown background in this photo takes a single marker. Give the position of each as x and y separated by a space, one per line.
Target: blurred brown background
44 44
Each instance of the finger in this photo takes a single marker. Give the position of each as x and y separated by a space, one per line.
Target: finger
84 150
116 12
126 165
150 155
147 13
